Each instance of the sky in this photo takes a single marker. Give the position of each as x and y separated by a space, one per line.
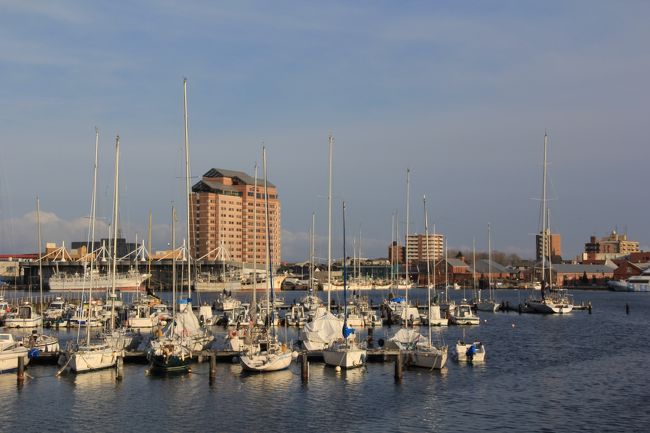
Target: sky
460 93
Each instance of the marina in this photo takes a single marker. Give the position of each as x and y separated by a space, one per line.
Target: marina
517 368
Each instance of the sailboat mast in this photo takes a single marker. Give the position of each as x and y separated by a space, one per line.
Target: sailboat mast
426 237
149 250
175 253
489 263
311 258
408 191
329 227
116 203
40 259
478 296
254 303
271 303
345 280
92 233
446 274
544 216
392 249
187 190
550 261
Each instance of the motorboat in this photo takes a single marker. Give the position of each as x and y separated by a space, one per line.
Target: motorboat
462 315
470 352
25 317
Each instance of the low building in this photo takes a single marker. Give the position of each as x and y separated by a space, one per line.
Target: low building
579 274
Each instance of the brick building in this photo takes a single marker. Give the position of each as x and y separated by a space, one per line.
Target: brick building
222 218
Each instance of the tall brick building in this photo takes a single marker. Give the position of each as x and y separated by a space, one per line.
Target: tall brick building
223 217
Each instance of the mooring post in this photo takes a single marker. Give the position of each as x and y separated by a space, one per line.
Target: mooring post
589 307
627 308
20 373
398 366
213 367
304 367
119 368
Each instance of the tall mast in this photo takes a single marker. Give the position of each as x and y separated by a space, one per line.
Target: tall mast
550 261
489 263
345 284
271 303
446 274
187 190
399 250
392 249
311 258
544 216
408 192
329 227
478 296
149 249
116 204
426 237
92 234
175 253
254 302
40 259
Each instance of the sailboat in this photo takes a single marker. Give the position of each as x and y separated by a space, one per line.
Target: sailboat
325 327
39 342
427 355
552 301
346 351
97 355
169 353
265 353
488 304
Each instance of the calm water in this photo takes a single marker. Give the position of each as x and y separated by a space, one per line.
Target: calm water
578 372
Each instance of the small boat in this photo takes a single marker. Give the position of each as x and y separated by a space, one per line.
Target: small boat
462 314
470 352
10 351
25 317
321 332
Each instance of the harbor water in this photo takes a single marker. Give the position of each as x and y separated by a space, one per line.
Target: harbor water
577 372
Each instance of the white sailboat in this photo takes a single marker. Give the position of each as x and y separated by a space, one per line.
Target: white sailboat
345 352
266 354
488 304
552 301
97 355
427 355
38 341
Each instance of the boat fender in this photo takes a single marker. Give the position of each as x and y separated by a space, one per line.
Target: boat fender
33 353
201 320
233 333
380 342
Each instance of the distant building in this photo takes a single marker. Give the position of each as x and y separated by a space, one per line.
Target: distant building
396 253
222 223
610 247
417 247
553 246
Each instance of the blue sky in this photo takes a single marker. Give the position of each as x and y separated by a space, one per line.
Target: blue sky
459 92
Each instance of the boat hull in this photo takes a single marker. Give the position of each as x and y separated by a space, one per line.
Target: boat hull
344 358
462 356
9 359
548 307
173 364
23 323
429 357
266 363
90 359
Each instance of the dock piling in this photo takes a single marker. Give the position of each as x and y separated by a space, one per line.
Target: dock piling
213 367
20 372
119 368
398 367
304 367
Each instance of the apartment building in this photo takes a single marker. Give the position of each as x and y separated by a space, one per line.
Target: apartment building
223 223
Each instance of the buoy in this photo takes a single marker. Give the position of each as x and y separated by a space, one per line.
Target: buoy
513 325
294 354
338 368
